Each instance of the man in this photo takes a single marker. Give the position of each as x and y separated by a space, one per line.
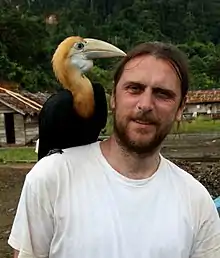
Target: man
121 198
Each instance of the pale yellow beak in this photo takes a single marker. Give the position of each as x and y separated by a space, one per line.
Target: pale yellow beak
95 48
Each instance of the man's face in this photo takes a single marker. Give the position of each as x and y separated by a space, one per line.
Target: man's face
146 104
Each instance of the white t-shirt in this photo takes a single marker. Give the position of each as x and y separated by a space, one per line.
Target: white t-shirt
74 205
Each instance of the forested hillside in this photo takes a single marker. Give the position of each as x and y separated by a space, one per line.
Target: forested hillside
27 41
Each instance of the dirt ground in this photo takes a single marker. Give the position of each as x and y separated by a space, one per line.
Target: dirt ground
11 181
197 154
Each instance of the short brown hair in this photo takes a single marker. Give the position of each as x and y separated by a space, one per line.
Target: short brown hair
160 50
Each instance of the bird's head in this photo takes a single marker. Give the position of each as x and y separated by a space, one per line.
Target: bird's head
72 58
80 52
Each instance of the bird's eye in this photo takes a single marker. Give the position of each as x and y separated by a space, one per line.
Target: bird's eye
79 46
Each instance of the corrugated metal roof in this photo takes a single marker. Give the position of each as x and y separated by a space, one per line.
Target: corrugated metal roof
23 102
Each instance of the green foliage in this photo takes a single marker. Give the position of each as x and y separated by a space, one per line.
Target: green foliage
27 42
101 76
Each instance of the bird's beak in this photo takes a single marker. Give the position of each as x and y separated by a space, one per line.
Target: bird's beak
95 48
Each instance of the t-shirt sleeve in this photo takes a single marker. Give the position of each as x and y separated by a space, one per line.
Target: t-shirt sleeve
32 229
207 239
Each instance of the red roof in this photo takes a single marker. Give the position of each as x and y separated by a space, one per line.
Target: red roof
203 96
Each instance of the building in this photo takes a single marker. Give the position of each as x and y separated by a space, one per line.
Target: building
203 102
19 116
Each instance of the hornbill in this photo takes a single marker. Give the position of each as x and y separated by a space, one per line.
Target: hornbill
76 114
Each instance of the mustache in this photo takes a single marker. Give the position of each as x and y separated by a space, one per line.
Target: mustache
145 117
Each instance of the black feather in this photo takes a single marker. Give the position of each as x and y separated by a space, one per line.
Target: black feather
61 127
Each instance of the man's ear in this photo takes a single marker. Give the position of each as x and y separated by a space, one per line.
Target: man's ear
180 110
112 101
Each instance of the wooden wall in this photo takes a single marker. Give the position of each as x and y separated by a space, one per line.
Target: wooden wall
2 129
26 128
3 109
31 127
19 129
202 108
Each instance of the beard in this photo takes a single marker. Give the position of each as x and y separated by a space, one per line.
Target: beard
143 144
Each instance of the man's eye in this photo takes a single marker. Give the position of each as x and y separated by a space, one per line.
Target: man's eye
134 89
164 95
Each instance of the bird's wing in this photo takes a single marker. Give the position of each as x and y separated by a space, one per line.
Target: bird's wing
54 122
61 127
100 116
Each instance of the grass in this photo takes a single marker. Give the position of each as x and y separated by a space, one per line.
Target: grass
17 154
199 125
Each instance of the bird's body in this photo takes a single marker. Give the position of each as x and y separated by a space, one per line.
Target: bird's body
76 114
60 126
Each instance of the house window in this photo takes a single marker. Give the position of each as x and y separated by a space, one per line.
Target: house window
9 128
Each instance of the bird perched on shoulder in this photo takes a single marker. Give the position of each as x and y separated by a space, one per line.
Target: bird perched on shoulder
75 115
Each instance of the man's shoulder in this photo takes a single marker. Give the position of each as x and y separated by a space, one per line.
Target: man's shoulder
180 172
73 153
60 162
191 190
185 180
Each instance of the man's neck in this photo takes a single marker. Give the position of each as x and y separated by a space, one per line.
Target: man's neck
128 164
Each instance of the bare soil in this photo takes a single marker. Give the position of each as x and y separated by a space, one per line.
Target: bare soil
197 154
11 181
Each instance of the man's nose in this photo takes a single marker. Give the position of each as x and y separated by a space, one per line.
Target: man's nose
145 101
